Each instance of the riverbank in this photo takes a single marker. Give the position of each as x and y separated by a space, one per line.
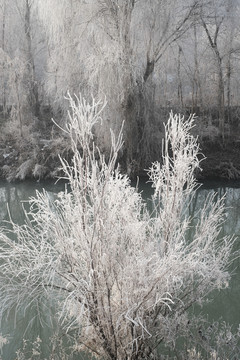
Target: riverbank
38 159
33 153
222 160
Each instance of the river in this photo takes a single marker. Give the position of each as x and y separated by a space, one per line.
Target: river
226 304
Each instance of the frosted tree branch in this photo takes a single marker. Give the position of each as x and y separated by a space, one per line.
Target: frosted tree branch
122 276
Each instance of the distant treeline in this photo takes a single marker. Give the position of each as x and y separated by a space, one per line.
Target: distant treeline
145 58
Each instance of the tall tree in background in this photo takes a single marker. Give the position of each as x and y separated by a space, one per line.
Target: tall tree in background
232 49
12 65
3 39
197 87
213 37
217 19
18 46
128 52
118 46
31 75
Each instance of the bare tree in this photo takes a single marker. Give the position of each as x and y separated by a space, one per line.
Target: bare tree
122 276
33 86
18 44
14 73
113 48
3 10
197 87
231 47
213 42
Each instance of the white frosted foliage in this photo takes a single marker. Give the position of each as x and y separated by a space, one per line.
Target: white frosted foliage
123 276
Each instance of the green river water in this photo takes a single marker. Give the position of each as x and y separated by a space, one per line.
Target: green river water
226 304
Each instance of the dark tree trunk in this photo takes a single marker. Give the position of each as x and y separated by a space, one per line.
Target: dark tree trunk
3 65
33 87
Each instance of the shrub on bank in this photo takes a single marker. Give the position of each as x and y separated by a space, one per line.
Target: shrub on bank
122 276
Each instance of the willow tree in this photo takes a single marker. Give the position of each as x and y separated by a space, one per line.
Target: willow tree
112 48
121 275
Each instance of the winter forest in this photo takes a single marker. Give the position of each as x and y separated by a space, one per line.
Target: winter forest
94 92
144 57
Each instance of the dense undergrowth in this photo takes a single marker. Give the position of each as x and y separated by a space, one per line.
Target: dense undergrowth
33 152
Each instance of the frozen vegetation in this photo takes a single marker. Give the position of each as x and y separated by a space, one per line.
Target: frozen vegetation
123 279
146 57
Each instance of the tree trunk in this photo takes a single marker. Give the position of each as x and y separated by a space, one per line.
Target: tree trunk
229 88
196 84
220 90
19 110
221 101
179 88
3 65
33 88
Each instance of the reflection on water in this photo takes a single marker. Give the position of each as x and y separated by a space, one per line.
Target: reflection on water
226 304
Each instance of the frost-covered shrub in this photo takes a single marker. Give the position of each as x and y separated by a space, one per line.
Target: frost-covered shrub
122 276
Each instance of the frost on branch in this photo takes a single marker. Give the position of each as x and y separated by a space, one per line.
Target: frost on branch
124 278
